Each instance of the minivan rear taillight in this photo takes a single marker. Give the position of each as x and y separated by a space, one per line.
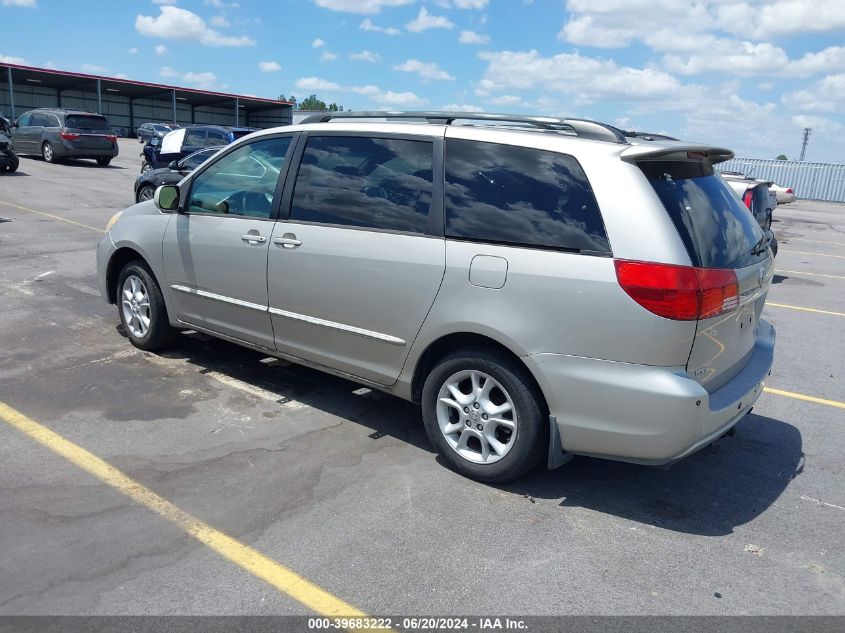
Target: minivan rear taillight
111 137
69 136
680 293
748 198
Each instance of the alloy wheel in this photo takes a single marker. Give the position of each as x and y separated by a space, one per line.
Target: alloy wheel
477 416
136 306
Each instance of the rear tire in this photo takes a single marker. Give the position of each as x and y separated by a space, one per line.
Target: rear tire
504 421
774 247
140 139
103 162
141 307
47 152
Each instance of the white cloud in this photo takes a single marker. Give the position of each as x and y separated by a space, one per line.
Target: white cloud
327 56
819 124
220 21
748 59
160 49
471 37
463 4
365 56
133 50
360 6
269 67
374 93
11 59
164 1
219 4
121 76
167 71
368 25
426 70
426 20
203 80
175 23
785 17
460 107
825 95
92 68
27 4
318 43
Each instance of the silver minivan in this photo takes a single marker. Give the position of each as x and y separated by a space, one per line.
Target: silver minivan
542 287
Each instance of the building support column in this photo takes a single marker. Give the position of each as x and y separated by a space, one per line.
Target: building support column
59 97
99 98
237 112
193 114
132 129
173 100
11 91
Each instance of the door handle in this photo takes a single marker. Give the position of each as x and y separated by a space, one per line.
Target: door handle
253 239
287 242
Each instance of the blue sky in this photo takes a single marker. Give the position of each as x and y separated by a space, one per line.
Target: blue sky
750 75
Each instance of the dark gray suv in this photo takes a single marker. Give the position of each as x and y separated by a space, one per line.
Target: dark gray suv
56 134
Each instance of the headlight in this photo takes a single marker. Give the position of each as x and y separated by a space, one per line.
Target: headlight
114 219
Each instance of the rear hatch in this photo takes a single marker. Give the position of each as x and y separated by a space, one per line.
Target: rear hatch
88 131
723 239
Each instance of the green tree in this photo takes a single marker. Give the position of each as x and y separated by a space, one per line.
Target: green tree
292 99
313 103
781 157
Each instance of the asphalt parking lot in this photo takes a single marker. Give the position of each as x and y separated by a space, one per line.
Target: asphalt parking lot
345 490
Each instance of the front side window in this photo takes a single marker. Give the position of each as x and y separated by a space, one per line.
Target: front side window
380 183
216 138
196 159
515 195
195 137
243 182
24 120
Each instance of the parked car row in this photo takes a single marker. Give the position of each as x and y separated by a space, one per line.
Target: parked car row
494 274
155 130
784 195
178 144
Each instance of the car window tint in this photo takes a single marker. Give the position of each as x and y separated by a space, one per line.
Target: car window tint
87 122
381 183
24 120
53 121
38 120
195 160
515 195
216 138
243 182
195 137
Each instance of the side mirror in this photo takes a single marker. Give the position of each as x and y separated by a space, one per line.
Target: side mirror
174 165
167 198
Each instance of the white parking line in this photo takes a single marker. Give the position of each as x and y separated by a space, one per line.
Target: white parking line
822 503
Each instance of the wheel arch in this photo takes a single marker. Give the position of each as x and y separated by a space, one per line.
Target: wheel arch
117 262
438 348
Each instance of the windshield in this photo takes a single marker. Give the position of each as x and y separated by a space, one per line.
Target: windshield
84 122
716 228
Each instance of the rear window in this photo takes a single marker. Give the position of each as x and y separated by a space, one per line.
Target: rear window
716 228
526 197
84 122
241 133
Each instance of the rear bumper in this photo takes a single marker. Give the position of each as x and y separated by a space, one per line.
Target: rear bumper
66 150
644 414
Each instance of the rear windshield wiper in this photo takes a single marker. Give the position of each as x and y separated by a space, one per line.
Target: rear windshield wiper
763 243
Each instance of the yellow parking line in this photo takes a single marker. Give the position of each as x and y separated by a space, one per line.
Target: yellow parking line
52 216
783 250
801 272
783 305
285 580
801 396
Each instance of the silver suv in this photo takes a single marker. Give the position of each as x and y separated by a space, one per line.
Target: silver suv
541 287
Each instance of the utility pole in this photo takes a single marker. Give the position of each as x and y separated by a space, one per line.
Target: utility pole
807 132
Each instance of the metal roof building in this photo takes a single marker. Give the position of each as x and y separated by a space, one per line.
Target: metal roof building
127 103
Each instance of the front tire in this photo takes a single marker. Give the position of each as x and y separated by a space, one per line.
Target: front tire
145 193
141 307
103 162
47 152
485 415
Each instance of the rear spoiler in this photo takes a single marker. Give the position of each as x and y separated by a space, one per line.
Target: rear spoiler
675 150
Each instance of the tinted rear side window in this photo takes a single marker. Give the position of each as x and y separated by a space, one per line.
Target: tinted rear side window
514 195
84 122
381 183
716 228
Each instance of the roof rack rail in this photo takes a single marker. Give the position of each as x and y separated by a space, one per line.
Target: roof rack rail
581 127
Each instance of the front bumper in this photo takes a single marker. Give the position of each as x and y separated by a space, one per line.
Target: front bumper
644 414
105 249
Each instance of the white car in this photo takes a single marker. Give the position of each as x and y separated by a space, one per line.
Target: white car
784 195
